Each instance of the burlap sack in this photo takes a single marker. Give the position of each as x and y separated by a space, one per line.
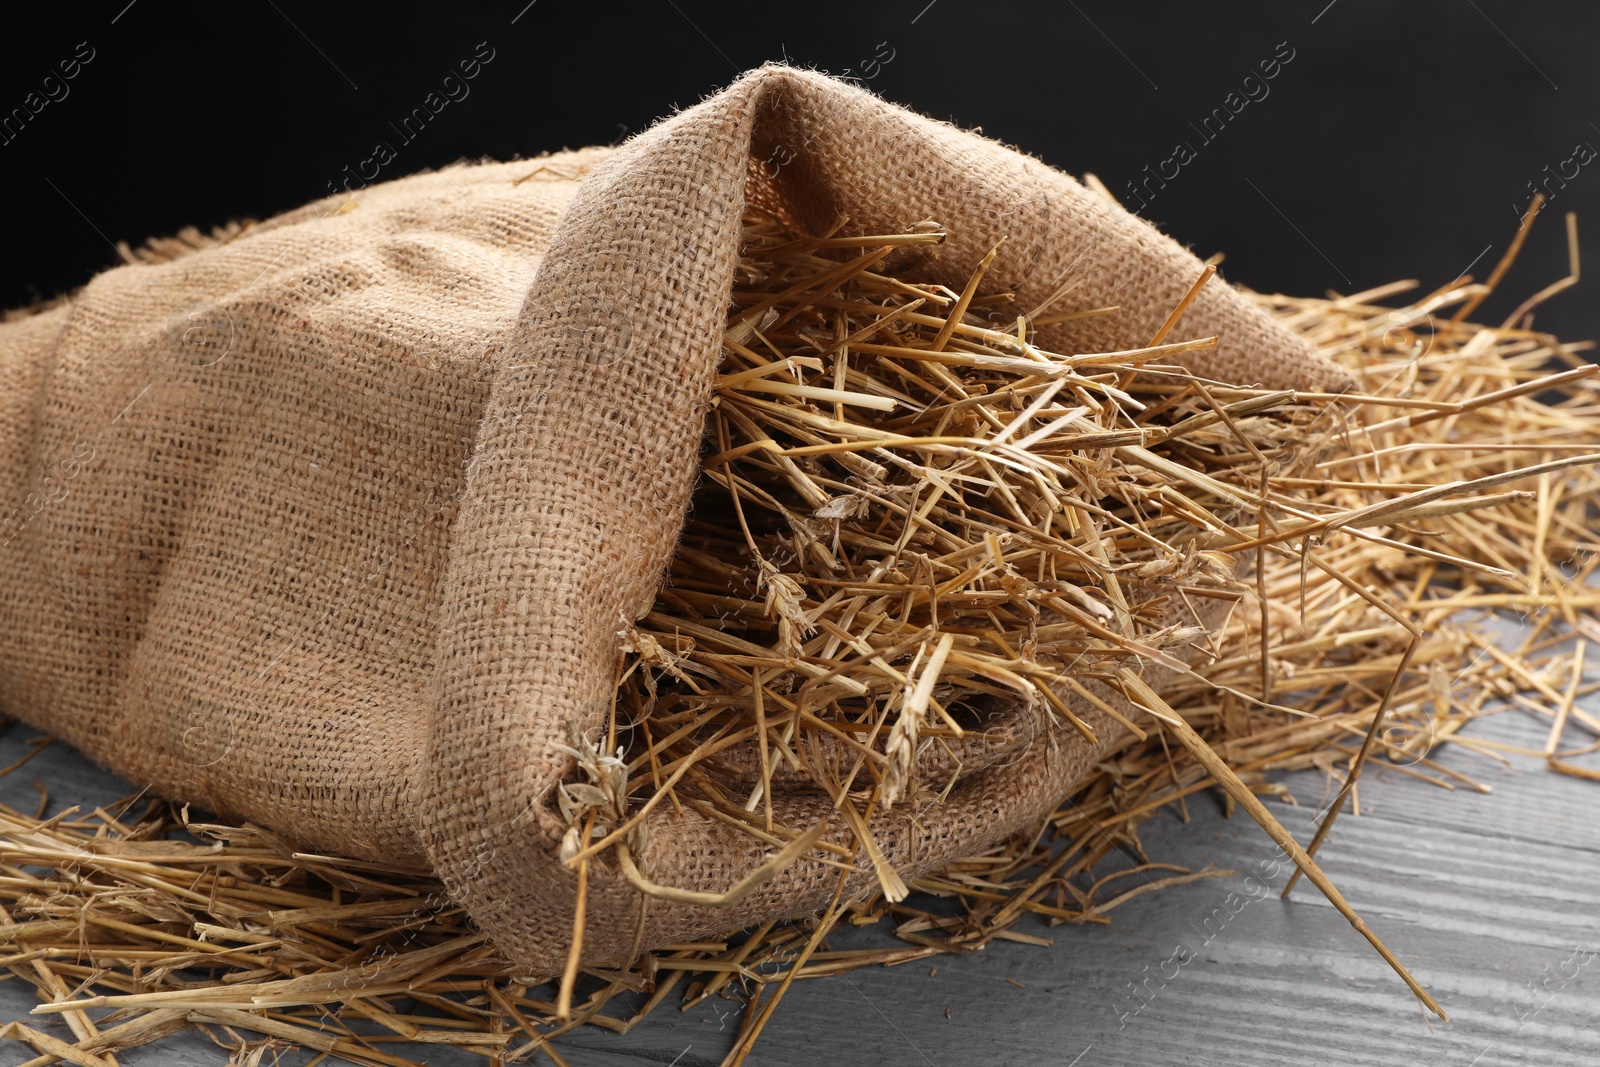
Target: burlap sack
330 525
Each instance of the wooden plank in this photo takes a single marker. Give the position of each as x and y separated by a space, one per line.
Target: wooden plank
1493 901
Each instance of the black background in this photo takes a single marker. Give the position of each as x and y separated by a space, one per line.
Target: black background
1399 142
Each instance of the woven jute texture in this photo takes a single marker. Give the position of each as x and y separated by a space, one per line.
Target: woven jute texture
331 523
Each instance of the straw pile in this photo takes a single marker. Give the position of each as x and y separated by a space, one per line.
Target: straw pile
913 526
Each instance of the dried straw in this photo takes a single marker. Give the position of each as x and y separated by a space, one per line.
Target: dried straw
912 520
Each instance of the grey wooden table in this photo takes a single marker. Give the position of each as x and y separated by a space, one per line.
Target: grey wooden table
1492 901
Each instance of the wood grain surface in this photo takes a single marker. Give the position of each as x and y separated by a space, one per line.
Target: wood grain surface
1492 901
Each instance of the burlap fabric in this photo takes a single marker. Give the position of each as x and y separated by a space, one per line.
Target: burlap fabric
331 525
